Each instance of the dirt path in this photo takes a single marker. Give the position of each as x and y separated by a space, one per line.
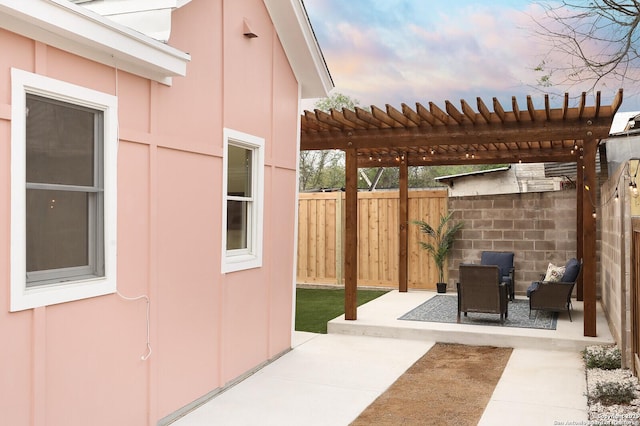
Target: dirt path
450 384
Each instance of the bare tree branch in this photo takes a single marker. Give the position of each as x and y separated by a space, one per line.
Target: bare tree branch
598 40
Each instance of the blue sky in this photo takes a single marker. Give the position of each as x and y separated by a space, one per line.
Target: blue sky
406 51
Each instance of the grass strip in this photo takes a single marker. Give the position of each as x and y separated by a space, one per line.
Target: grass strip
315 307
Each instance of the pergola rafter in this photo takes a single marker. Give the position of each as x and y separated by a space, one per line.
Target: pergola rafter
426 136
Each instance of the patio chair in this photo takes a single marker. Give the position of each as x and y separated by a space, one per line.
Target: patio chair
504 260
555 296
480 290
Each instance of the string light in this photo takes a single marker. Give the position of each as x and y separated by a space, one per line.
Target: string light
614 195
633 186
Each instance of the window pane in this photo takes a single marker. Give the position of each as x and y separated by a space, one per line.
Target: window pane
237 212
57 229
60 143
239 172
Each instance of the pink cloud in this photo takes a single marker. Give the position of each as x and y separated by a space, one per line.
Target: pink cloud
480 51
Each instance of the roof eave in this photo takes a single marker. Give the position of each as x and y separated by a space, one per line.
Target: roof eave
149 17
292 25
74 29
474 173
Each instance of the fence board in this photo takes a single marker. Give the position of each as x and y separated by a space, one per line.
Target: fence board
303 253
422 271
330 239
321 237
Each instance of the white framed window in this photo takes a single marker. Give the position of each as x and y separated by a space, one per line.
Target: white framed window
63 191
242 204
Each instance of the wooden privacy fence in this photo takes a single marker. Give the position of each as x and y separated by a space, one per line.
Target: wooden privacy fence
321 237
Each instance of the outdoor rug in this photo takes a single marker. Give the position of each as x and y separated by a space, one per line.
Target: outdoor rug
441 308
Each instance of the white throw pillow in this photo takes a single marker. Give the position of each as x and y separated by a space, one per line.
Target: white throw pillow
554 273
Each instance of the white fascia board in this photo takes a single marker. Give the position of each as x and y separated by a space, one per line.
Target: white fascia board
154 23
72 28
301 47
115 7
150 17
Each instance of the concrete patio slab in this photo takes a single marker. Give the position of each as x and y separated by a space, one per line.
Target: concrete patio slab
330 379
379 318
327 380
539 387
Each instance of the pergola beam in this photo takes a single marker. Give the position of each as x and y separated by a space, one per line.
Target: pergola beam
480 158
401 137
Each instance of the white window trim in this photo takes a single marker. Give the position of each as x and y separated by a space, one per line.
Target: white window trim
22 298
237 260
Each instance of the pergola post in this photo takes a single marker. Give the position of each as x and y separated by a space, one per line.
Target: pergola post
580 222
351 236
589 202
403 259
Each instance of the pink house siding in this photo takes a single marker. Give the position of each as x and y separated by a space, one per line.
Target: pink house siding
79 363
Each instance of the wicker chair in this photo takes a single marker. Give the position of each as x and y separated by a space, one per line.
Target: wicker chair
480 290
555 296
504 260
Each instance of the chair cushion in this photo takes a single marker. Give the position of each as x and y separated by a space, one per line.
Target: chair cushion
554 273
504 260
533 287
572 268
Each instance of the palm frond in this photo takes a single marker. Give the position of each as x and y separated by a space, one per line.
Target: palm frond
442 237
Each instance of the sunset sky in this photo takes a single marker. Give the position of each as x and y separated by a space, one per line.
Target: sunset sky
406 51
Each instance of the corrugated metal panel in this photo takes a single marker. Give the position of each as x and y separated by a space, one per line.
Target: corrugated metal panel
566 169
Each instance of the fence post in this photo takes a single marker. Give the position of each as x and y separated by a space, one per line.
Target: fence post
339 238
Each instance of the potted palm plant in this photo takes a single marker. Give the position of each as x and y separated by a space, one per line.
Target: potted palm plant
442 238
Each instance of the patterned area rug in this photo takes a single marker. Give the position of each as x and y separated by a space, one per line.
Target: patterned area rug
441 308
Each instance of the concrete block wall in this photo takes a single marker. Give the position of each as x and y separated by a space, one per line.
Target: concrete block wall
616 261
539 227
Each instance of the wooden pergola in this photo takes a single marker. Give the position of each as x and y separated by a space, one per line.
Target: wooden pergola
427 136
